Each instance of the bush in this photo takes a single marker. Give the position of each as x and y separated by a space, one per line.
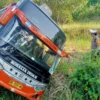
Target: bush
86 80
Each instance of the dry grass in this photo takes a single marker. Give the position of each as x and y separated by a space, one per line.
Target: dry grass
78 26
78 37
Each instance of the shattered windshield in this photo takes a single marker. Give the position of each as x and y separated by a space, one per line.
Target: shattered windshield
27 43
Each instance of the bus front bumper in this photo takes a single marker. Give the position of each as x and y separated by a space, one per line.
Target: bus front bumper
18 87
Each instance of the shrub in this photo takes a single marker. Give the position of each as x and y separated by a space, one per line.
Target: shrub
86 80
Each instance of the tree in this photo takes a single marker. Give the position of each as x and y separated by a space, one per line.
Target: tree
63 9
92 2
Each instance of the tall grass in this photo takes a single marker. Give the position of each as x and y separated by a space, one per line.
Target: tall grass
78 36
77 80
7 95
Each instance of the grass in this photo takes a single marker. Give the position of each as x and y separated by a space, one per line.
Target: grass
8 95
78 26
75 80
77 45
78 36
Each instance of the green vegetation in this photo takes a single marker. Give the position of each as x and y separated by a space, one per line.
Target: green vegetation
88 13
78 79
4 3
8 95
66 11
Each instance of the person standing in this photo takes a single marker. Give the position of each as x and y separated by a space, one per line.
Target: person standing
95 44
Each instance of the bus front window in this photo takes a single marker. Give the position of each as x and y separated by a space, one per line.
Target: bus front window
27 43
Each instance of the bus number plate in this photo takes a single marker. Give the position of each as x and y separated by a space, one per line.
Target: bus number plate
16 85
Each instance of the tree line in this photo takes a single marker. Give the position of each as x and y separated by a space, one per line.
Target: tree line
63 10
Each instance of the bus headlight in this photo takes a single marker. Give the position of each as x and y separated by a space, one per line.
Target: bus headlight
40 87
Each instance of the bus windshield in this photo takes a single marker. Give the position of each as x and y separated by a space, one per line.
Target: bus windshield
27 43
